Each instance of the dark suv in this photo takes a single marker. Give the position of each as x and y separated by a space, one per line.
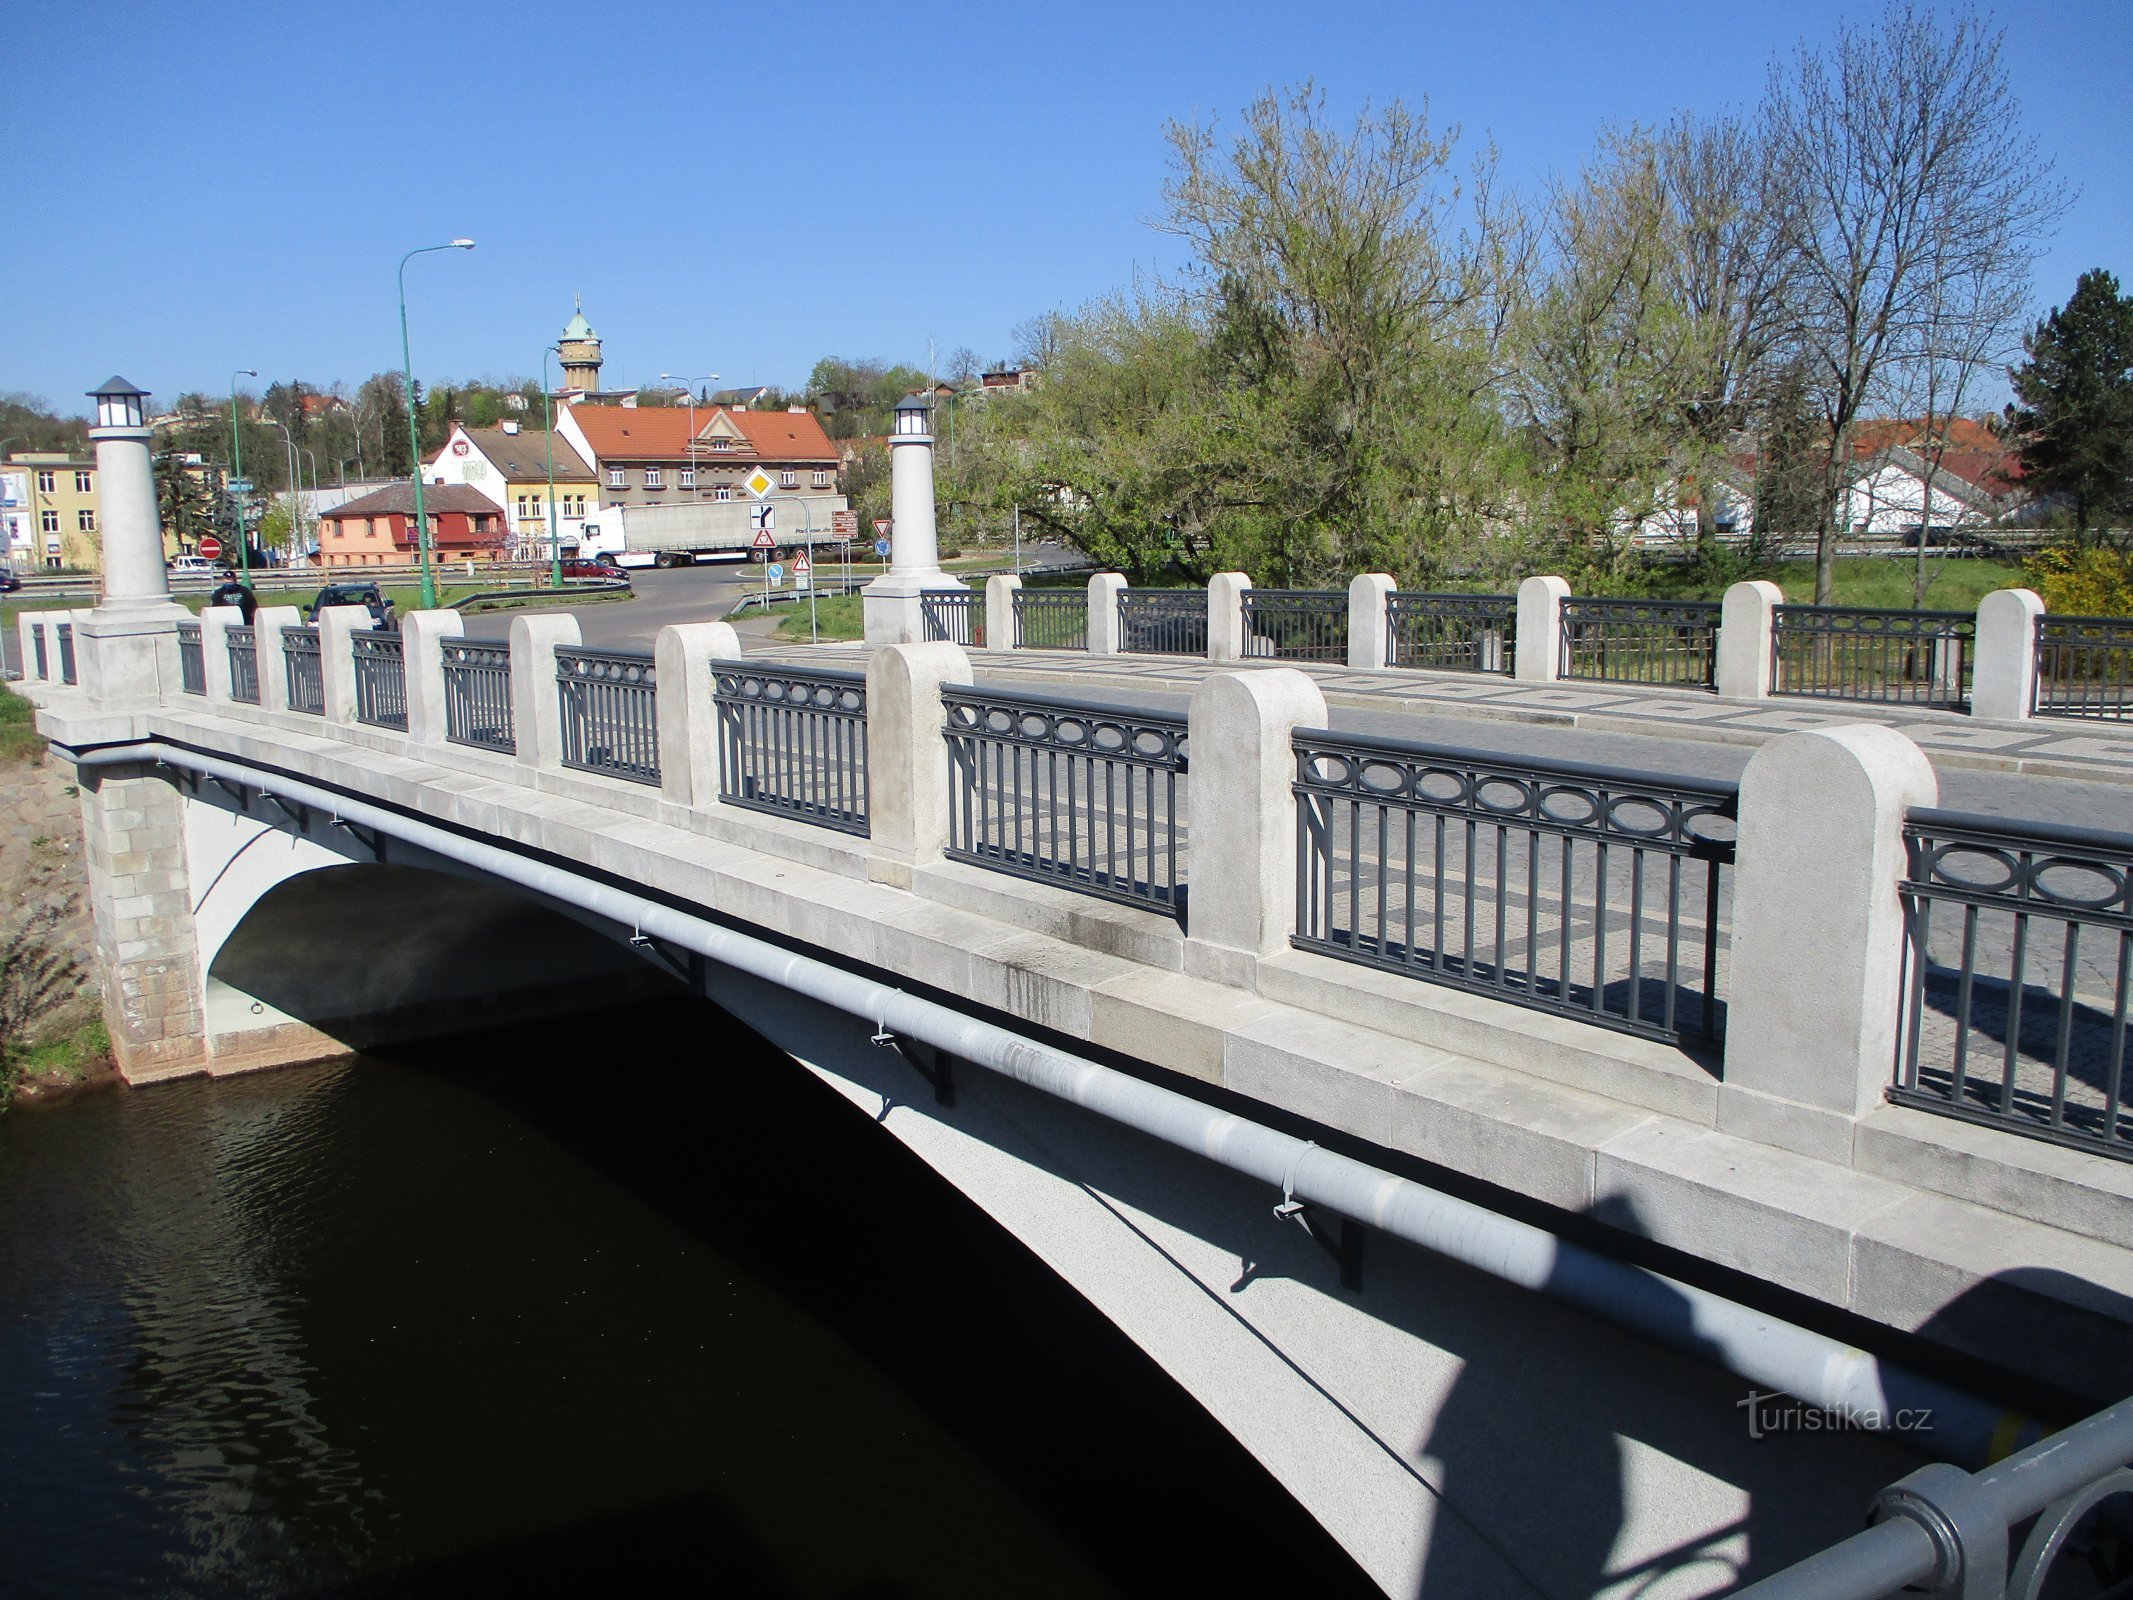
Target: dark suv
356 594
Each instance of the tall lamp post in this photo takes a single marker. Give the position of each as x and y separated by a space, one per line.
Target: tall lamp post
414 433
555 532
237 469
689 388
288 445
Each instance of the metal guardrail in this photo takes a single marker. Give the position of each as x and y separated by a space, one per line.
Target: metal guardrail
380 678
1641 641
608 703
1297 624
954 615
66 653
2018 971
301 668
1918 658
1944 1531
1051 619
1451 632
477 694
1585 891
1080 796
192 659
793 742
244 664
1163 622
2084 667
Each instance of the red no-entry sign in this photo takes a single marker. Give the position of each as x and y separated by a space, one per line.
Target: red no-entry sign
211 547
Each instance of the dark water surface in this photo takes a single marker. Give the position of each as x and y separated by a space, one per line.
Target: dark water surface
626 1305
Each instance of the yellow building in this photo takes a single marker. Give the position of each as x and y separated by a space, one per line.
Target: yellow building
48 502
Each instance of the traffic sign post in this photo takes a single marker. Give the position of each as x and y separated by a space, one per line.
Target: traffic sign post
210 548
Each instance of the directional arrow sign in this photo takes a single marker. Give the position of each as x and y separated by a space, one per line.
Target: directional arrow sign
777 572
239 486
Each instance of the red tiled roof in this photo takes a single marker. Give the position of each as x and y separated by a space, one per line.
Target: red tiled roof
399 498
661 433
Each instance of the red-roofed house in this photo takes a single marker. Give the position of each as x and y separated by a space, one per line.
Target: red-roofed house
378 529
646 455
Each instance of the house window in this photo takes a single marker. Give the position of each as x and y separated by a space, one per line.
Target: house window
822 478
722 492
654 478
83 483
49 521
788 480
616 478
722 444
85 521
47 481
688 477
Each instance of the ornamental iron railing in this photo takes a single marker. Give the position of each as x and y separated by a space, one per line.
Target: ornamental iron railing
44 661
608 705
301 669
793 742
244 664
1297 624
954 615
1163 622
2084 667
477 694
1589 892
1918 658
1051 619
2018 966
66 652
192 659
1085 797
1641 641
1451 632
380 678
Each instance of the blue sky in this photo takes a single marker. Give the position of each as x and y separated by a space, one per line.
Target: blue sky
741 190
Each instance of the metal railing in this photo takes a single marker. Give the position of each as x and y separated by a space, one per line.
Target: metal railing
244 664
1297 624
608 703
192 659
1590 892
2084 667
477 694
380 678
793 742
2018 968
1451 632
1918 658
1085 797
1051 619
66 652
954 615
1163 622
44 660
1641 641
301 669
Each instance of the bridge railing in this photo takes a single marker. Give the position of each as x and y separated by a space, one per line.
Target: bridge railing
67 672
1162 622
243 646
954 615
793 742
380 678
302 669
2084 667
1671 642
192 662
1919 658
477 694
608 701
40 651
1451 632
1587 891
1051 619
1085 797
1296 624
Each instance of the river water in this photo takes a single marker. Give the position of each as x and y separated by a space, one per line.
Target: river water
630 1304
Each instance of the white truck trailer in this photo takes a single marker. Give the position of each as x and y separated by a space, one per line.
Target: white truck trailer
708 530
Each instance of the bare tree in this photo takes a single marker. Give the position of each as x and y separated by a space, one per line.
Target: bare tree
1906 189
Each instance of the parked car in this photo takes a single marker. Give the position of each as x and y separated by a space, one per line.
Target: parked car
191 567
356 594
593 567
9 583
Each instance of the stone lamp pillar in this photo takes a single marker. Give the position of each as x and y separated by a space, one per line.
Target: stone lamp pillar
128 646
893 612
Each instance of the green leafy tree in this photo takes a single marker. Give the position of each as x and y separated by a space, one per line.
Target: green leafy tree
2075 417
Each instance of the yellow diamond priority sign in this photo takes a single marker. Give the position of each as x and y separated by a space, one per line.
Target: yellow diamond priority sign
759 483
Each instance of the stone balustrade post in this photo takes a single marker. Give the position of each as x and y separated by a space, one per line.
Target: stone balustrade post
1815 986
1747 627
1370 619
1104 589
908 782
2003 683
1243 816
1540 629
215 625
422 639
267 623
1000 591
688 708
1226 633
337 627
535 701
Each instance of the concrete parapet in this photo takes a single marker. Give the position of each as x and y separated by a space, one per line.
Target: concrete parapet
1104 589
1818 933
688 708
215 625
337 627
535 702
1540 629
1747 625
268 621
1369 628
1225 616
1000 591
2003 683
422 637
1243 814
907 754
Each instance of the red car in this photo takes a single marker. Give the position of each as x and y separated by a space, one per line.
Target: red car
589 567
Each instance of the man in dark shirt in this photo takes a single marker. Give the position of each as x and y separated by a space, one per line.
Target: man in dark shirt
233 593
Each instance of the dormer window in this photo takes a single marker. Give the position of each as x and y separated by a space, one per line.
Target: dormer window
721 444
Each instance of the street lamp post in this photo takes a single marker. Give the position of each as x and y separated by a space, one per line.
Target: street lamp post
414 433
689 389
288 445
555 532
237 469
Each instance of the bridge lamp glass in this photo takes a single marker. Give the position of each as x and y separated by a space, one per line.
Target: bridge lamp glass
119 404
911 416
